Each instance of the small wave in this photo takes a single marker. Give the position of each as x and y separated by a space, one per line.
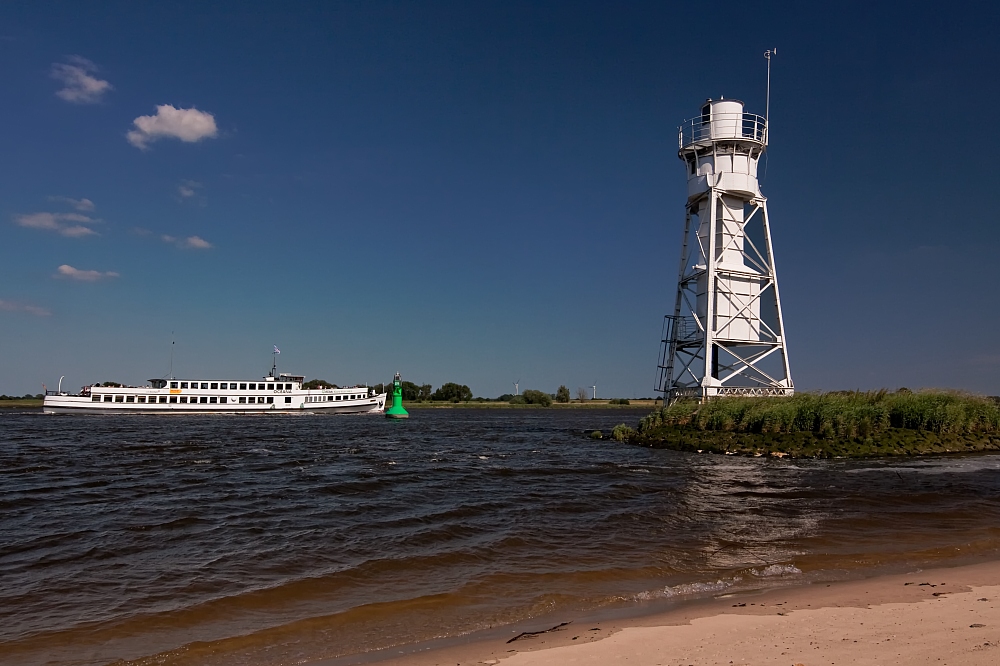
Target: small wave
776 570
688 589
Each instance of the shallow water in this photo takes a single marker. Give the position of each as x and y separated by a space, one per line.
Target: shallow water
265 540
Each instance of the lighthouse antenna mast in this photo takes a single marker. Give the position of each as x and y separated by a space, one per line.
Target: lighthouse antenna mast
767 102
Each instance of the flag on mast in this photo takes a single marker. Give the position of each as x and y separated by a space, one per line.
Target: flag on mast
276 350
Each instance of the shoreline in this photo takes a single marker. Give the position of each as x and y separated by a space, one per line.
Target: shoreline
890 443
925 616
589 404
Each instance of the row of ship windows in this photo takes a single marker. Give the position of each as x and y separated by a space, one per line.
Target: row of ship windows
214 400
329 398
231 386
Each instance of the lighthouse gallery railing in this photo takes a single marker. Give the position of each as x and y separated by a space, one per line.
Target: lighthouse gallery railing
708 127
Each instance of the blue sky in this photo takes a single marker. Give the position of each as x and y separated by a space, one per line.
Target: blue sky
482 192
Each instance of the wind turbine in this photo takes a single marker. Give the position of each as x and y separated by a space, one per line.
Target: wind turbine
595 390
516 387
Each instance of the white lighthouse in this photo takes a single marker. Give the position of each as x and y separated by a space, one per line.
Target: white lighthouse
726 335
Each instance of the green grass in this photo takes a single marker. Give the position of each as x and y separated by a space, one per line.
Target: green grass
19 404
844 423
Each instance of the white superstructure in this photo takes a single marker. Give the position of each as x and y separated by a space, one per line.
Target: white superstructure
726 336
281 394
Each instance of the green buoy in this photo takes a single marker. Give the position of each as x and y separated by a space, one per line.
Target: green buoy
397 411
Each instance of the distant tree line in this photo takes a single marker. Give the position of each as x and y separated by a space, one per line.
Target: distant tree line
26 396
452 392
314 384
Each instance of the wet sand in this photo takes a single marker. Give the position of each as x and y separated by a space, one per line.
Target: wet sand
935 616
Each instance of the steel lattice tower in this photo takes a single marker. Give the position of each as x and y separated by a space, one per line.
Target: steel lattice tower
726 335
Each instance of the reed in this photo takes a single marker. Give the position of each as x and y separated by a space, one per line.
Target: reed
842 414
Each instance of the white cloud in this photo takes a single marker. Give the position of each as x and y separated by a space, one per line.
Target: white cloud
188 188
59 222
11 306
197 243
79 86
85 205
189 243
68 271
188 125
77 231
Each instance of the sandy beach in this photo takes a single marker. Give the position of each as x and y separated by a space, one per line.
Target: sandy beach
934 616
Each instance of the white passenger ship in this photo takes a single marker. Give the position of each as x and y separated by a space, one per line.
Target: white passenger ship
281 394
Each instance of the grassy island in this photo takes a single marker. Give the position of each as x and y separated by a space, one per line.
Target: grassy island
825 425
20 403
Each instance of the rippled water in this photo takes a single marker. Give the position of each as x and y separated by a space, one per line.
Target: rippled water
265 540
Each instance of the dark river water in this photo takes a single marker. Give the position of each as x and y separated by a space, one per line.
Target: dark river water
287 539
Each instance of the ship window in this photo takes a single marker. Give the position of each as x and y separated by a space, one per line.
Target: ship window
163 398
253 387
173 398
338 397
184 384
204 400
184 399
173 384
270 387
222 399
215 385
270 399
288 399
95 398
243 399
213 400
224 386
243 387
130 398
142 398
107 398
204 385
